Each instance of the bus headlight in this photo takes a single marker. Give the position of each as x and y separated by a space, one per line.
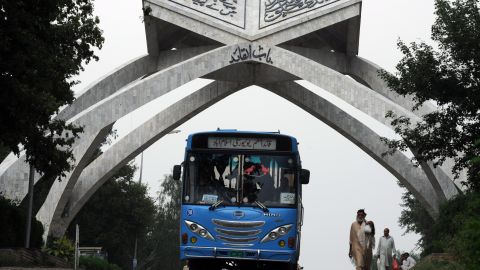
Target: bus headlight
276 233
199 230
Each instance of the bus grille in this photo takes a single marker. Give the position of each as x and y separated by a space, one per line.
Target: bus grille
238 224
238 240
238 232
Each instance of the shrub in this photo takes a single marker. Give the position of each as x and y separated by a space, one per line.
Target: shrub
12 226
95 263
457 230
438 265
62 248
466 244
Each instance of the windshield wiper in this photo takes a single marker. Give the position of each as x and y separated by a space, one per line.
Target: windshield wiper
215 205
262 206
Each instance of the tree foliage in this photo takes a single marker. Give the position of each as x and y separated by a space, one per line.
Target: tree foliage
115 215
456 229
3 152
12 226
43 45
450 77
415 218
439 265
163 243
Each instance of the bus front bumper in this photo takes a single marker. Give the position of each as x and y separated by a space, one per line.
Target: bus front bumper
190 252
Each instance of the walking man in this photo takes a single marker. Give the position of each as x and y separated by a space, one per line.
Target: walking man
358 243
386 250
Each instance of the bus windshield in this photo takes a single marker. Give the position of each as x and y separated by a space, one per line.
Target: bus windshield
214 177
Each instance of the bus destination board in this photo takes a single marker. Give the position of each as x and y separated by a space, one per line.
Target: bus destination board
242 143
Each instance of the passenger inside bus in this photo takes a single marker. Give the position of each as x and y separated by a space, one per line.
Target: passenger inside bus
258 183
227 172
216 178
266 179
269 180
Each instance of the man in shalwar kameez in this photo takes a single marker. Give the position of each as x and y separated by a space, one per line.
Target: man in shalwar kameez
358 243
385 250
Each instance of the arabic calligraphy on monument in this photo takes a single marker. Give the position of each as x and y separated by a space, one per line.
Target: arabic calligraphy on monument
275 9
230 12
223 7
249 53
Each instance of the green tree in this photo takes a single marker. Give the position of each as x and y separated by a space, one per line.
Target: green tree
439 265
3 152
164 240
415 218
115 215
43 45
12 226
450 77
456 229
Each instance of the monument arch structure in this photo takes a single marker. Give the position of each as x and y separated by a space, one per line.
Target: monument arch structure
269 43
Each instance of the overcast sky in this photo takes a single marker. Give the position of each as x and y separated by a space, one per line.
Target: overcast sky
343 177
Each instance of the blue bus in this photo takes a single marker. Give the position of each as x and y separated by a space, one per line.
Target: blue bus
241 201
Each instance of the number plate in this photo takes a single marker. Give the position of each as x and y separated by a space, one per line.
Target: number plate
237 254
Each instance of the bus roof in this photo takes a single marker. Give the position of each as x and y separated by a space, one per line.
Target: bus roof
234 133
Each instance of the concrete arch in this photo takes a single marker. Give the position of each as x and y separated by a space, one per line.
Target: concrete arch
16 168
114 107
105 112
335 26
110 109
414 178
124 150
362 69
362 98
126 74
119 154
367 72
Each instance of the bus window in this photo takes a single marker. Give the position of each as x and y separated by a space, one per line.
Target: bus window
211 177
269 180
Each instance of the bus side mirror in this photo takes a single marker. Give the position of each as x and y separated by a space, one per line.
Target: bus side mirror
177 171
304 176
